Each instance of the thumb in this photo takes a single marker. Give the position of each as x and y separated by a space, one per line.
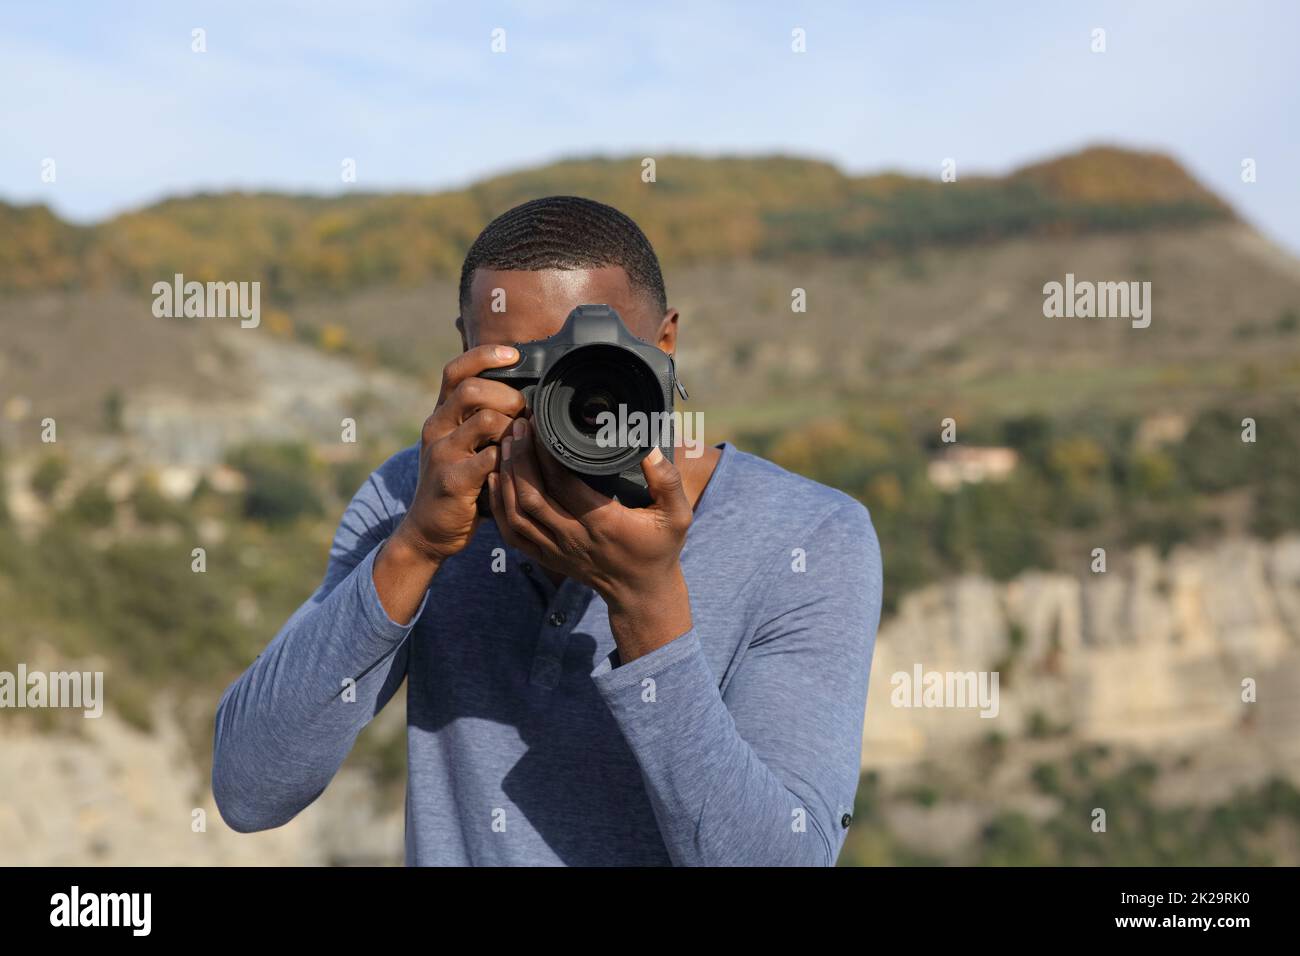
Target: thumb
663 480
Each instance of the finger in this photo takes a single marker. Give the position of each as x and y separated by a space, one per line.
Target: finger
464 478
498 508
475 469
497 505
664 482
473 361
530 493
476 393
486 426
523 528
568 490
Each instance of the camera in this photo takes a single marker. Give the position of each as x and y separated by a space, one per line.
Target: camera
587 388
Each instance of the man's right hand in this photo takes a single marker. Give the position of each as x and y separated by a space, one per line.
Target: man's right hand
458 450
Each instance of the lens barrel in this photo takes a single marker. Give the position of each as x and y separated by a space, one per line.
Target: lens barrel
586 384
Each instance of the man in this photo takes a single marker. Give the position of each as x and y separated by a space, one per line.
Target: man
679 684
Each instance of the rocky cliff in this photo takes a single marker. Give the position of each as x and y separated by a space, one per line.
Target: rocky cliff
1160 656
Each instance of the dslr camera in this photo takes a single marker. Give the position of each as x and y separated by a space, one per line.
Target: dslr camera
590 369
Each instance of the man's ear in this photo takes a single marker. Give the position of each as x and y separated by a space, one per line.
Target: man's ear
460 327
666 338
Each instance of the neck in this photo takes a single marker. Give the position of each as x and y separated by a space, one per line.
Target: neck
696 472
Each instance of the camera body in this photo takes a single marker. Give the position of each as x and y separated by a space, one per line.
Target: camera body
592 366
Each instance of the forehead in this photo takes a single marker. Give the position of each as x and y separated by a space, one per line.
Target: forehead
514 306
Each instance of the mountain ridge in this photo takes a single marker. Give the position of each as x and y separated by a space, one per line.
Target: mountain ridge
700 209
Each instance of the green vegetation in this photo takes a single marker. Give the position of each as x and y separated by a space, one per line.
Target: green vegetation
1139 832
1082 481
92 507
133 600
1245 830
48 476
281 488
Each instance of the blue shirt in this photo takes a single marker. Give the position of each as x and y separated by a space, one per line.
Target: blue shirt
737 743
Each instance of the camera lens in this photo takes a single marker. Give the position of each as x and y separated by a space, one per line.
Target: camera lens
587 406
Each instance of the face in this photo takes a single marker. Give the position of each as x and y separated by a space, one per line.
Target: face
537 303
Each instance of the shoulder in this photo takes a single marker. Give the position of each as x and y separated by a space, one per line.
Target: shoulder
789 521
813 549
778 501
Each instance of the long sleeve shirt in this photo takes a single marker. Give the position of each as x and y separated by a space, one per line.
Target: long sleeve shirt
737 743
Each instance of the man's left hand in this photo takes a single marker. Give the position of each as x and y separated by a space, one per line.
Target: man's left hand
629 556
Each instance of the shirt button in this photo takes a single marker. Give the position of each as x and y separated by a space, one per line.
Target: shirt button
557 619
846 820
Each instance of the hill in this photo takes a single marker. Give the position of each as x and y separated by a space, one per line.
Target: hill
698 211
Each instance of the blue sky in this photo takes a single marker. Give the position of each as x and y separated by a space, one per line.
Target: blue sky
113 93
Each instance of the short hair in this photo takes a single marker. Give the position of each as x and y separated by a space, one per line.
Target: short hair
565 232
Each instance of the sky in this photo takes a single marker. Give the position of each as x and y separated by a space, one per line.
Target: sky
115 94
